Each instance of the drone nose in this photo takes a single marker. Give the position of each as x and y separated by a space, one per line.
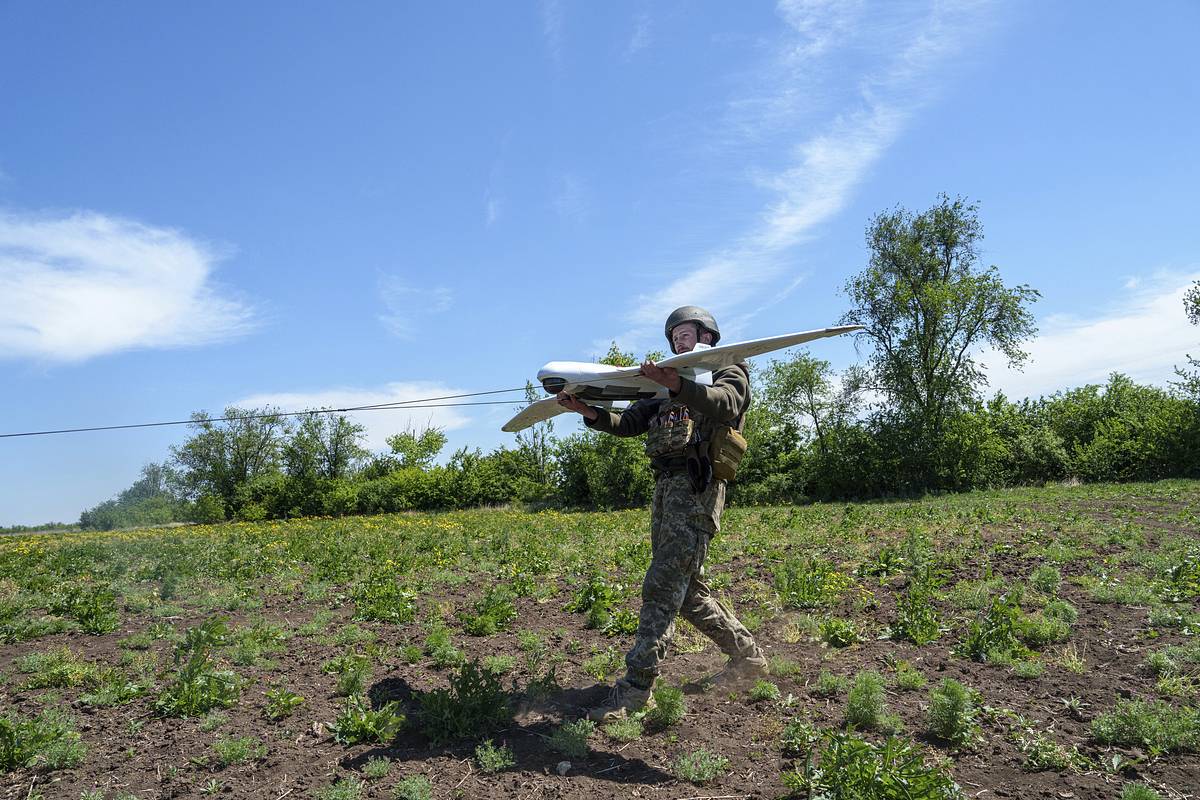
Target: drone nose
554 385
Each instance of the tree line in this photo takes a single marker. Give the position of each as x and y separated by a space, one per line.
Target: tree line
911 418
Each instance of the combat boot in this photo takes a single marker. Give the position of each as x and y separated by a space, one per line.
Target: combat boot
740 672
623 701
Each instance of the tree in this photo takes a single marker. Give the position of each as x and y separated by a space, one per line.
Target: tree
418 450
224 456
535 447
1190 379
324 446
927 308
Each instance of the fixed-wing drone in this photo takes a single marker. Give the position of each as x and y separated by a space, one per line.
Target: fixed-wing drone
602 385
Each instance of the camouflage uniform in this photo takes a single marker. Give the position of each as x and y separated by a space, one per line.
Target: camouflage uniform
681 524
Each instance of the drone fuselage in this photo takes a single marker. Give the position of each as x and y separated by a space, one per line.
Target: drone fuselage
597 382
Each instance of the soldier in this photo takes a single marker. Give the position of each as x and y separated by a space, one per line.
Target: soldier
685 512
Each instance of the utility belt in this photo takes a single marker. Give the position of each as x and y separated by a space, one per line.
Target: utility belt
679 449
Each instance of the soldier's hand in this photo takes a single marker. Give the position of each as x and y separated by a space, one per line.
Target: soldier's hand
667 376
572 403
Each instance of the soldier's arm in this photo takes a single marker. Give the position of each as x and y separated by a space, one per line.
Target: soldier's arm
632 421
723 401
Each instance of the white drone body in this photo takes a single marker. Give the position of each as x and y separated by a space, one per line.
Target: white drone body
602 385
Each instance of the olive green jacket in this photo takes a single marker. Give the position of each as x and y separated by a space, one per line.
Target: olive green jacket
723 403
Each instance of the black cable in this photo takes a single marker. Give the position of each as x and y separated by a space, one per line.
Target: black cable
398 405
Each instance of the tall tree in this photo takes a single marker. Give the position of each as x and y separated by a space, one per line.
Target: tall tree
1190 378
221 456
324 446
927 308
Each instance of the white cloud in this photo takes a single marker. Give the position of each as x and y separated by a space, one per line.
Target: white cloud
379 424
1144 336
74 287
832 153
406 307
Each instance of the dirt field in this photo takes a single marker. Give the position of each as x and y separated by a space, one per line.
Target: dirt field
297 595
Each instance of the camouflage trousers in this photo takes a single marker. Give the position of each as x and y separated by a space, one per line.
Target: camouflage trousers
681 525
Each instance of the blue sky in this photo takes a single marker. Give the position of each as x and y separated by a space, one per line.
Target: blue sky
306 204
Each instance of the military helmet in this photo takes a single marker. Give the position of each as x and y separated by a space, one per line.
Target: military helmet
694 314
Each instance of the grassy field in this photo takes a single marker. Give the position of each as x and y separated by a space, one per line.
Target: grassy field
1027 643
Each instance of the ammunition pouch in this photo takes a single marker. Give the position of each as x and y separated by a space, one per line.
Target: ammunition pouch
725 451
668 440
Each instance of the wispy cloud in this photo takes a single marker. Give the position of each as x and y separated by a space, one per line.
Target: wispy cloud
379 424
835 141
1144 336
406 306
78 286
552 29
642 36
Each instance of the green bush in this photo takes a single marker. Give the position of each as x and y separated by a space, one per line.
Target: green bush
829 685
952 712
1038 630
238 750
492 759
199 685
838 632
994 632
47 741
1156 726
414 787
472 706
847 767
493 612
916 617
380 597
864 704
1139 791
700 766
571 738
1046 579
810 583
669 708
358 722
764 690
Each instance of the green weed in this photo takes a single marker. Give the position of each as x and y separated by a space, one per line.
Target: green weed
358 722
953 709
845 767
571 738
492 759
700 766
238 750
473 705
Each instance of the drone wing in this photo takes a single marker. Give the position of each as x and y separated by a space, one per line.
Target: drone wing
724 355
539 411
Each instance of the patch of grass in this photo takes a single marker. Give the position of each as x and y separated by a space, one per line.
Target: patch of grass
213 720
624 730
1038 630
700 766
342 789
953 709
492 759
318 625
59 669
493 612
1139 791
1030 669
916 617
376 768
1046 578
798 738
782 667
281 703
865 706
764 690
501 664
48 741
238 750
846 766
358 722
413 787
473 705
669 708
199 684
1042 753
909 678
1157 726
440 647
1061 610
829 685
605 664
839 632
994 633
810 583
571 738
352 671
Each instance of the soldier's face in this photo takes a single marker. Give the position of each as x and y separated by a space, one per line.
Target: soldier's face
684 337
